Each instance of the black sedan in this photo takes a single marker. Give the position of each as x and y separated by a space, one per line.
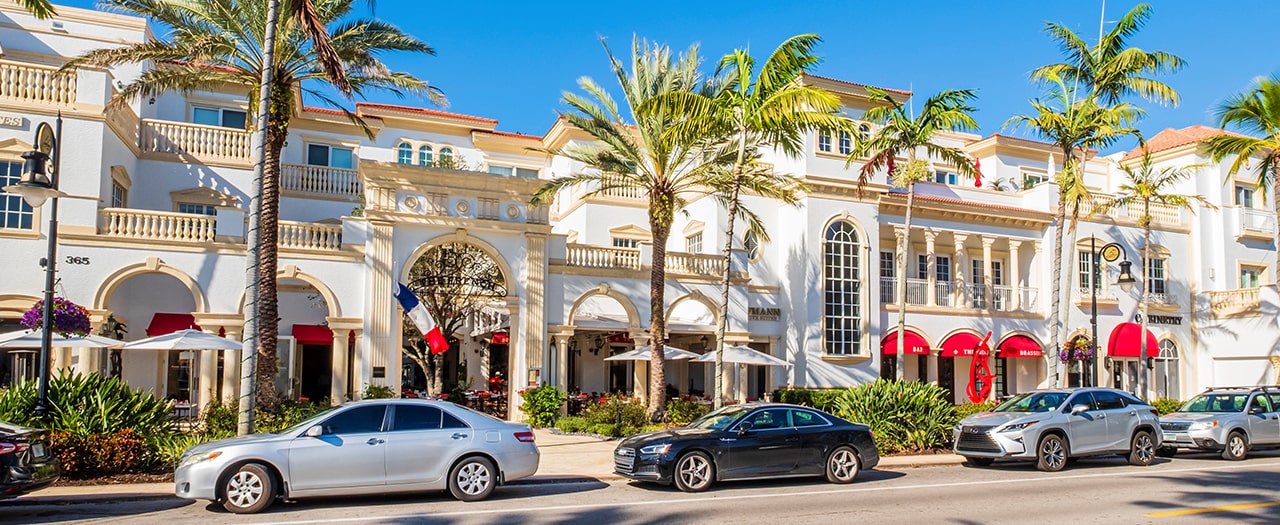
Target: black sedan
26 464
759 440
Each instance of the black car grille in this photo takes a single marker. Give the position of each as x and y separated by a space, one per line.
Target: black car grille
976 439
1175 426
624 460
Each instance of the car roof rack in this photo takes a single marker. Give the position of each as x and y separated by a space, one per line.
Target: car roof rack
1271 389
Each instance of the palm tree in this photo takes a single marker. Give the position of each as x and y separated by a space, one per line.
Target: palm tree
645 156
1110 69
751 111
220 42
1145 185
1256 111
901 133
39 8
1075 124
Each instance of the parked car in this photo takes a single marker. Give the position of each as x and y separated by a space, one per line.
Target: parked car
1227 420
758 440
26 463
1054 426
366 447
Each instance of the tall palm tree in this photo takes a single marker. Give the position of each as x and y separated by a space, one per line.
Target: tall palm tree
902 133
1255 111
1075 124
39 8
643 155
1110 69
754 110
1143 186
220 42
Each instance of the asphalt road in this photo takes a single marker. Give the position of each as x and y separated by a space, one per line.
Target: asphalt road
1188 489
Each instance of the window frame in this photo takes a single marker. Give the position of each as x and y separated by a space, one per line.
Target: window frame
404 154
1156 284
222 116
842 290
825 141
693 243
329 149
12 205
1243 192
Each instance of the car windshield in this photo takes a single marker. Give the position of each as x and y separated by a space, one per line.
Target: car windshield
719 419
1033 402
308 423
1215 403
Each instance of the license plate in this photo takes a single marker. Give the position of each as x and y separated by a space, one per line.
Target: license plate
37 450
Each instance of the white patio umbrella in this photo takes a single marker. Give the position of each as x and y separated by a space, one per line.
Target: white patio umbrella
645 352
185 340
31 339
743 355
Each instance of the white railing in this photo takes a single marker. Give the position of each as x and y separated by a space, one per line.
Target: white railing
585 256
37 84
320 180
695 263
944 292
195 140
888 290
310 236
977 296
1255 220
625 192
156 225
1235 299
1002 298
1161 214
1158 298
1104 295
917 291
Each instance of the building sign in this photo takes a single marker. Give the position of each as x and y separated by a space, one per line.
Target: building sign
11 120
758 313
1171 320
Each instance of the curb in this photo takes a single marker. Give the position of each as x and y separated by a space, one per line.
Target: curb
74 499
551 479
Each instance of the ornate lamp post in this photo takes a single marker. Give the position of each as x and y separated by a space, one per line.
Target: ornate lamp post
39 183
1110 253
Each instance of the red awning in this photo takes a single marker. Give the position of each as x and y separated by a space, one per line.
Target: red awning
313 334
1125 341
960 345
913 344
1020 346
164 324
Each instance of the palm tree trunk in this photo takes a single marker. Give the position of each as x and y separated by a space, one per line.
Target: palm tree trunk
1055 308
722 323
900 367
268 236
1143 285
660 215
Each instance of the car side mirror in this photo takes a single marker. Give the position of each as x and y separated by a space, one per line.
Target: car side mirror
1077 409
315 431
1253 410
744 428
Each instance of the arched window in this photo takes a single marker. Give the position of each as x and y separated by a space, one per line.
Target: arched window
842 290
446 157
864 132
404 153
1165 375
846 143
424 156
751 243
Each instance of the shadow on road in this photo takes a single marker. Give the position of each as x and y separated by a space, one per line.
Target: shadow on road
866 476
54 512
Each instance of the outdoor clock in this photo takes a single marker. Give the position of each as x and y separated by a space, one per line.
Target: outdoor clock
45 142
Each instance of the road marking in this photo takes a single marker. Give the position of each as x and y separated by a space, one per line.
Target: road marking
699 499
1205 510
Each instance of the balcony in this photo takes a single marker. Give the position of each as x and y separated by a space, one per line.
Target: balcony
1245 302
695 264
1162 215
185 142
310 236
196 229
1106 297
324 182
37 85
613 258
954 295
1255 224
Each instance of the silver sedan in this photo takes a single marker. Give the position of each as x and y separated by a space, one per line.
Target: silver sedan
367 447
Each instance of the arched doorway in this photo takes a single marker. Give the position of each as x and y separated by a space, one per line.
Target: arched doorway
1165 376
149 304
603 321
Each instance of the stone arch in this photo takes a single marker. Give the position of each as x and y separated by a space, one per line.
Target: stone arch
960 331
461 236
14 305
1023 333
633 314
292 272
698 297
151 265
910 328
844 216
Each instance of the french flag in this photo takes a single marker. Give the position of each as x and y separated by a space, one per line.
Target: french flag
421 318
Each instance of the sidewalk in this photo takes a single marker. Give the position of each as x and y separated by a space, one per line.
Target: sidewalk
564 459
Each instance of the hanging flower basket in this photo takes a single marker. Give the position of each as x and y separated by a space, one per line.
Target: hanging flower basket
1078 350
69 319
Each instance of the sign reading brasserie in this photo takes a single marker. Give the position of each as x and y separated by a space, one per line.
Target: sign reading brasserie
759 313
1174 320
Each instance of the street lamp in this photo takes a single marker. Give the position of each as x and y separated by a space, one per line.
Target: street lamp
1109 252
39 183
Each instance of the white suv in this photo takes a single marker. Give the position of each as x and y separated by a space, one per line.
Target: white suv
1052 426
1230 420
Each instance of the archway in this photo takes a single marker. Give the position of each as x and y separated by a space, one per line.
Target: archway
603 320
152 303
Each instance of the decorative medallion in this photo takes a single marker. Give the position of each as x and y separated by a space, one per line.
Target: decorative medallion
463 207
412 203
513 212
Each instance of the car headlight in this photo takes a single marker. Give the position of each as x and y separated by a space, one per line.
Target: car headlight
1204 425
656 449
198 458
1018 426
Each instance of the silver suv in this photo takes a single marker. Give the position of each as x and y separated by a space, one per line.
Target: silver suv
1231 420
1052 426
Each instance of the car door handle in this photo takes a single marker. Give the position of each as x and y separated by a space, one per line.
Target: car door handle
1132 414
458 435
374 441
793 440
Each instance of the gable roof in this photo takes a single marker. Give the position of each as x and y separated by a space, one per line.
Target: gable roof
1171 138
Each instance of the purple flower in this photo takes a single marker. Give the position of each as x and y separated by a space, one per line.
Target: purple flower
69 319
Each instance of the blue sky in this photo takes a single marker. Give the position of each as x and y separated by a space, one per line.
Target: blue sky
511 60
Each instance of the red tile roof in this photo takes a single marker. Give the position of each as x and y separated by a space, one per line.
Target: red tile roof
898 91
424 111
323 110
1171 138
510 134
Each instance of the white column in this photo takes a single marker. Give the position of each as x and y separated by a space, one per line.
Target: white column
206 388
989 291
231 367
931 277
639 375
1015 275
961 275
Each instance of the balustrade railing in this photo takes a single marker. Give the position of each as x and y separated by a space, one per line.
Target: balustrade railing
944 292
156 225
1104 295
1262 221
888 291
1235 299
310 236
195 140
1002 298
586 256
1161 214
917 291
33 84
977 296
320 180
625 192
695 263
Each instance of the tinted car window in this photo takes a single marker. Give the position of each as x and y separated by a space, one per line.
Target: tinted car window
1131 399
1215 403
1275 401
413 417
451 422
1032 402
804 418
1108 400
356 421
1082 398
1261 401
769 419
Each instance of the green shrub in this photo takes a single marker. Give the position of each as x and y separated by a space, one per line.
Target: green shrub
88 405
572 424
542 404
681 412
221 420
969 409
165 451
90 455
1165 405
616 416
906 416
377 392
824 399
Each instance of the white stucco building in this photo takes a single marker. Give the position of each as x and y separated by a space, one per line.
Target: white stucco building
162 248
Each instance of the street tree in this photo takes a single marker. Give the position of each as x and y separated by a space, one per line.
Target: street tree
1257 112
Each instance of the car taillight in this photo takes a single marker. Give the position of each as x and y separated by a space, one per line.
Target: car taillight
524 437
1155 412
12 448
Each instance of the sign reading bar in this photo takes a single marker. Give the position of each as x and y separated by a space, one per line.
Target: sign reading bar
758 313
1171 320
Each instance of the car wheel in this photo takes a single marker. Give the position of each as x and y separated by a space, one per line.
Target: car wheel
1237 447
1167 452
248 490
1051 453
472 479
1142 449
979 462
843 465
694 472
